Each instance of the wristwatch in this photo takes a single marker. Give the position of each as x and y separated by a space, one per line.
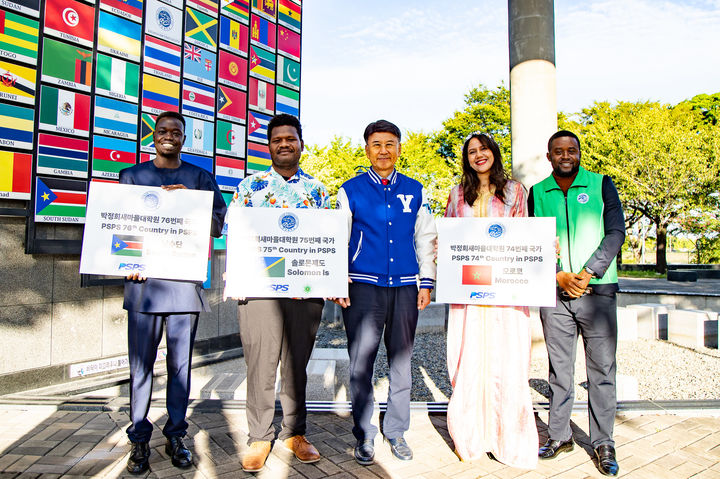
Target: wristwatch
590 272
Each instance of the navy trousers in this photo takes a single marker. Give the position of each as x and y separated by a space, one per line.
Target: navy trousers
144 334
372 309
595 317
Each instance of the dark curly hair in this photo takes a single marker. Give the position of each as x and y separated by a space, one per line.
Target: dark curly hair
470 181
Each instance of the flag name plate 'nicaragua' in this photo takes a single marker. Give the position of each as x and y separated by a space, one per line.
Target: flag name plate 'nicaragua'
111 155
17 83
66 65
62 156
198 136
60 200
70 20
163 21
229 172
64 111
117 78
16 126
115 118
18 38
162 58
230 139
15 175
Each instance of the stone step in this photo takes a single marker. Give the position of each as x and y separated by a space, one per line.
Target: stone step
692 328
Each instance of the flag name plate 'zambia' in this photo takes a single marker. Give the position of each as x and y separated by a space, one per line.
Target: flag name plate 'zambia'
162 58
70 20
15 175
147 128
67 65
116 118
64 111
17 83
60 200
119 36
117 78
16 126
163 21
229 172
28 7
230 139
18 38
111 155
198 136
62 156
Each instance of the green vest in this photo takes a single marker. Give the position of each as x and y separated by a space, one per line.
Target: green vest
578 219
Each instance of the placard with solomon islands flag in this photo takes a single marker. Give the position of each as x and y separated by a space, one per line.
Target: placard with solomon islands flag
146 230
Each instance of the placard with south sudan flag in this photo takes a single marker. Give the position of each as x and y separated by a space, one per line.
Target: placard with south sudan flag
59 200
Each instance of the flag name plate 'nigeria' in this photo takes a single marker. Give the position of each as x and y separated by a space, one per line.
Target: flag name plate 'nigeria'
18 38
230 139
62 156
15 175
64 111
117 78
17 83
59 200
67 65
16 126
198 136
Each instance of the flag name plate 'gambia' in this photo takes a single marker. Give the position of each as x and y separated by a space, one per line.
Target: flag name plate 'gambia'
286 253
146 230
494 261
62 156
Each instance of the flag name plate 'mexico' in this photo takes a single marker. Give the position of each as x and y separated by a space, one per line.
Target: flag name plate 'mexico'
18 38
288 72
261 96
262 33
119 36
16 126
64 111
288 101
236 9
60 200
231 104
266 8
200 64
111 155
117 78
163 21
67 65
62 156
232 70
198 100
130 9
115 117
262 64
160 94
257 127
147 128
15 175
289 14
146 230
229 172
162 58
17 83
201 29
198 136
28 7
70 20
258 158
230 139
233 36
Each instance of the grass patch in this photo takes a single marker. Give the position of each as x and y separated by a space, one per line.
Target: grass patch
640 274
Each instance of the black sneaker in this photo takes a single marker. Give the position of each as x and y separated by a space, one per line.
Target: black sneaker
400 449
138 462
365 452
179 454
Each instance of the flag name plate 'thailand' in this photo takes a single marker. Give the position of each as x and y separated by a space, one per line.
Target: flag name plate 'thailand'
495 261
146 230
286 253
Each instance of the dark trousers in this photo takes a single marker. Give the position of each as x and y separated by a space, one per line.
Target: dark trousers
595 317
372 309
277 331
144 334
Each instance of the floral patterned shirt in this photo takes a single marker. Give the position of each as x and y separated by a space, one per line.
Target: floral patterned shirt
269 189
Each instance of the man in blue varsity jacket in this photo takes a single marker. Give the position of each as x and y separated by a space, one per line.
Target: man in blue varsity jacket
392 234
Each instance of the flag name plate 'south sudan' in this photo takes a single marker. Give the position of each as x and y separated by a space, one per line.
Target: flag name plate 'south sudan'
480 275
15 175
17 83
16 126
67 65
18 38
28 7
274 266
126 245
62 156
70 20
60 200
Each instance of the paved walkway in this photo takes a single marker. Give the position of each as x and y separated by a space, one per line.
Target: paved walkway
58 439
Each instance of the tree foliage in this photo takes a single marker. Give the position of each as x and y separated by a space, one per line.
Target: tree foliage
333 164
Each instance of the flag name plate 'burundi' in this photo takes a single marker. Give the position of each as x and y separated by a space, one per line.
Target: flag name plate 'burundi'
15 175
198 100
233 36
115 118
119 36
163 21
262 96
162 58
289 14
230 139
18 38
17 83
117 78
62 156
67 65
257 127
229 172
232 70
198 136
200 64
147 128
288 72
201 29
16 126
231 104
28 7
236 9
70 20
60 200
258 158
64 111
130 9
111 155
160 94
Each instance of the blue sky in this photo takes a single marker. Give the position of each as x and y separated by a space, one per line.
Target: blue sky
412 62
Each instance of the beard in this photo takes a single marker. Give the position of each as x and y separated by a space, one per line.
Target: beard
563 174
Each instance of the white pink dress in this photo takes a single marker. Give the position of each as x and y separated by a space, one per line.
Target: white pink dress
488 355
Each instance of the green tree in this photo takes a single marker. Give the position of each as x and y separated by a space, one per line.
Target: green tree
663 160
708 106
333 164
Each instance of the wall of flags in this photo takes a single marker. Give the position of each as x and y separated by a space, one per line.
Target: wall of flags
81 83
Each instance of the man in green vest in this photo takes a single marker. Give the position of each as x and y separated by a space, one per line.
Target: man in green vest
591 231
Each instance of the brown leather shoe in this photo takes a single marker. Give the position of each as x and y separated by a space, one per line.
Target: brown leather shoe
254 459
303 450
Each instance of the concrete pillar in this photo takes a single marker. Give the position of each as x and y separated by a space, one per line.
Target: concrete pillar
533 105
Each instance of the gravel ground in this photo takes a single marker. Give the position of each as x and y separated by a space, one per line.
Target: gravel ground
662 370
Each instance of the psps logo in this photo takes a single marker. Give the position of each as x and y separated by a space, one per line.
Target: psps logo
495 230
482 295
131 267
280 288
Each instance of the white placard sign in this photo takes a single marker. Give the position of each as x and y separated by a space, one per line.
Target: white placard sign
496 261
147 230
286 253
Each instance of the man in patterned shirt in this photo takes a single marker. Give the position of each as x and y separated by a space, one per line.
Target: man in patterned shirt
280 329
